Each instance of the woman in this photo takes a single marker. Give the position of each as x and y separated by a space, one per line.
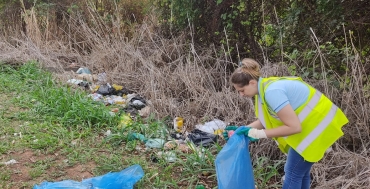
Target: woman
302 120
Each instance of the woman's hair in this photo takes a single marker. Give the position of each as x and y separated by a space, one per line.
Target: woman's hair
248 70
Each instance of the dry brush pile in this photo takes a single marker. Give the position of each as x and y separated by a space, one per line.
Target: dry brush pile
181 79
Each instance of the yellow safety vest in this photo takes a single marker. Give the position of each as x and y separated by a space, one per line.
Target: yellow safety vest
321 122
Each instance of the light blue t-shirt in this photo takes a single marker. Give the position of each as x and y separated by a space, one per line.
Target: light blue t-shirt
283 92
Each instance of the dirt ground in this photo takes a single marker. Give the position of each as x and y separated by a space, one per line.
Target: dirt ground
56 167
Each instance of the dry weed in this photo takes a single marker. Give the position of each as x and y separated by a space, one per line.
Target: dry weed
181 80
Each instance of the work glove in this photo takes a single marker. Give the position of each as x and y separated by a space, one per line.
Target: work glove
225 134
252 133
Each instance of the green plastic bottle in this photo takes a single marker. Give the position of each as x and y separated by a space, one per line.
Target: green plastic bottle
200 187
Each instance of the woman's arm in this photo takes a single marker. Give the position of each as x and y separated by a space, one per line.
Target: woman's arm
291 126
256 124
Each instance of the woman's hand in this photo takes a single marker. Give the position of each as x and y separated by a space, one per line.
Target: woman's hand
246 130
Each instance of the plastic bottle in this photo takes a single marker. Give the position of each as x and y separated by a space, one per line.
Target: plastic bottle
199 187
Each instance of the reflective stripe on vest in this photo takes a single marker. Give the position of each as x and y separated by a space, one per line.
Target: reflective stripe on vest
321 122
312 103
318 129
302 115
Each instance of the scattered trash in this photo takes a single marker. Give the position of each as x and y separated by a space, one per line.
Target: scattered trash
102 78
215 126
86 77
201 138
130 110
18 134
116 99
117 87
177 136
108 133
125 120
199 187
145 112
155 143
134 136
105 89
10 162
170 145
125 179
178 124
123 92
137 102
169 156
75 81
84 84
96 96
83 71
184 148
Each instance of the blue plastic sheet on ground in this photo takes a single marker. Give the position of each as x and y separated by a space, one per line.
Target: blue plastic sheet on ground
124 179
233 164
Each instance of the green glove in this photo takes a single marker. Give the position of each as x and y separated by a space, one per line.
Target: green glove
227 129
244 130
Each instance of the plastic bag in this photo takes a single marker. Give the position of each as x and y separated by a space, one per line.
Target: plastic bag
124 179
233 164
105 89
66 184
201 138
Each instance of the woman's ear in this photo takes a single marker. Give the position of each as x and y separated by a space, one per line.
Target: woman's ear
252 82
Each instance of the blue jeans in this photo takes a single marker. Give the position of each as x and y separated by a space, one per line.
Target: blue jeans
297 171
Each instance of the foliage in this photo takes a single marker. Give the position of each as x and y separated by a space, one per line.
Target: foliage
48 102
264 170
257 29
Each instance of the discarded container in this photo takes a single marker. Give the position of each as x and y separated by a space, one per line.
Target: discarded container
178 124
199 187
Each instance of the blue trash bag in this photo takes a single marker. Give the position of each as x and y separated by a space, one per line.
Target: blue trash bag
124 179
66 184
233 164
118 180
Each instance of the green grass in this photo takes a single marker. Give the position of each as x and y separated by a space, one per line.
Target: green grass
61 130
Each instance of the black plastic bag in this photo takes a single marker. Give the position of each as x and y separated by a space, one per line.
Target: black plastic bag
105 89
201 138
138 102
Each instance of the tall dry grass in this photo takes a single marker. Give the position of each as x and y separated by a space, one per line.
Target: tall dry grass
181 79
